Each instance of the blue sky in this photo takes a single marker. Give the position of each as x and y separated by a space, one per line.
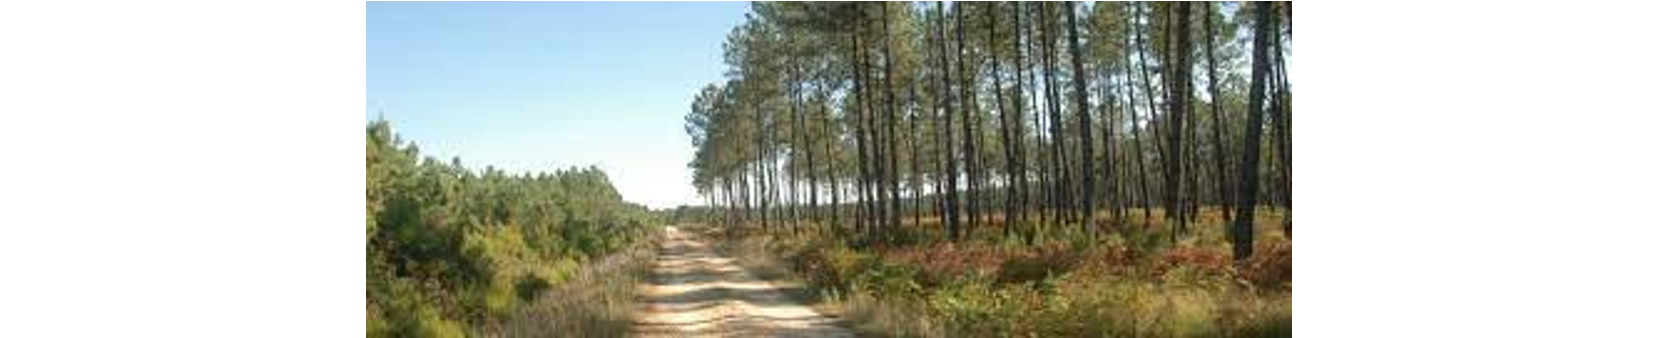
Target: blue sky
537 86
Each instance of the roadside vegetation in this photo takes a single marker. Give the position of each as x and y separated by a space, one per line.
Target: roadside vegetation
598 302
457 252
1133 283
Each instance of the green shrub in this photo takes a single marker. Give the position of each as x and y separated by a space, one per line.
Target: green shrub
431 325
1100 305
377 325
968 306
1036 265
409 312
888 279
832 266
498 255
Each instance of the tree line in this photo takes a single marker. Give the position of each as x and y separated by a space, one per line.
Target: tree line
1029 116
452 251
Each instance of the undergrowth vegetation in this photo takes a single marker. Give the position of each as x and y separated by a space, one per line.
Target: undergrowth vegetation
1126 283
597 302
454 252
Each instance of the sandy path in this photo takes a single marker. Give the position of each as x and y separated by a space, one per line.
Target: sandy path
696 292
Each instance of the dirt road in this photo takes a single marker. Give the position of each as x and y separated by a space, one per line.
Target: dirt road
696 292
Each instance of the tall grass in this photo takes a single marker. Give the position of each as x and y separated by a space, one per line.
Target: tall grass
597 302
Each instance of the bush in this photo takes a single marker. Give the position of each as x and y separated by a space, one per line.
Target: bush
1095 306
431 325
498 256
409 312
968 305
888 280
1270 266
1038 264
944 262
1206 261
377 325
832 266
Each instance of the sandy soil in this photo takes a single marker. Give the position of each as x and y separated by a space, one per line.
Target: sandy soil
695 292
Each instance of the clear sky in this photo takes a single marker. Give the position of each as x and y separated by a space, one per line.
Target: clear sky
536 86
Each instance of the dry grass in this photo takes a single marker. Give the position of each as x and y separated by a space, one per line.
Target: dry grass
597 302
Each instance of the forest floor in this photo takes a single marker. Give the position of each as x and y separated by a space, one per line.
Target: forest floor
694 291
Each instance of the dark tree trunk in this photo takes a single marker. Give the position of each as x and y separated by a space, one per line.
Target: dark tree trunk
1243 230
811 175
933 78
917 182
1281 119
864 172
951 221
873 138
891 122
1019 122
1044 167
1087 138
761 179
1134 120
1012 212
1177 112
1056 133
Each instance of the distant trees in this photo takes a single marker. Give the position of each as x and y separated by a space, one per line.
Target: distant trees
855 73
1223 183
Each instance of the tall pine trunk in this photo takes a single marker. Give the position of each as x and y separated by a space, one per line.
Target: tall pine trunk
1134 121
1081 83
1056 133
1012 213
1243 230
891 137
951 220
1177 113
1019 121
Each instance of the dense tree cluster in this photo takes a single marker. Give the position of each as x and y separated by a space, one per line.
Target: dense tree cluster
853 116
453 250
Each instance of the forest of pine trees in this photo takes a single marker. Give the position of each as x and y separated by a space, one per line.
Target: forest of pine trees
1006 119
1010 168
454 252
